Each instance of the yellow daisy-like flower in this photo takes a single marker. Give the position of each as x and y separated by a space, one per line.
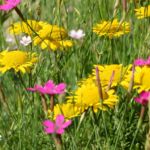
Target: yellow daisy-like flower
22 27
86 95
47 35
52 37
112 28
69 110
141 79
110 73
17 60
142 12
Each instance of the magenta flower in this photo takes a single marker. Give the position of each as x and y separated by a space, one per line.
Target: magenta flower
143 98
139 62
56 127
148 61
9 4
49 88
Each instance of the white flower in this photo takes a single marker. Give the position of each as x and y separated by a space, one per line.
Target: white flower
26 40
77 34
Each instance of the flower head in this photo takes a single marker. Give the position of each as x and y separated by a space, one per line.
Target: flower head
49 88
142 12
26 40
139 62
17 60
141 78
86 95
111 28
114 71
52 37
56 127
143 98
69 110
9 4
22 27
77 34
48 36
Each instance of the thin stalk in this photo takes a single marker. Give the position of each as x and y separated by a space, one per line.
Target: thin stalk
132 80
58 141
138 125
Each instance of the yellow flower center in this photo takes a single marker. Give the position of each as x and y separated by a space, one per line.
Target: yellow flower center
14 58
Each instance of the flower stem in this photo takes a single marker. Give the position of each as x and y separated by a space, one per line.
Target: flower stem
58 141
138 125
44 104
132 80
110 81
52 103
99 85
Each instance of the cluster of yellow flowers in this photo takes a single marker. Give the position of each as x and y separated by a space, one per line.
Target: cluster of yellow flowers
87 96
44 34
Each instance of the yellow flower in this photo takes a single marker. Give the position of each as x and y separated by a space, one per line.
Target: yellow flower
17 60
112 28
112 72
52 37
47 35
22 27
86 95
69 110
141 79
142 12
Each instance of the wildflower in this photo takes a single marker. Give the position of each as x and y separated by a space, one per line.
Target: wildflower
47 35
143 98
86 95
69 110
141 78
77 34
56 127
106 72
142 62
49 88
26 40
139 62
142 12
22 27
52 37
9 4
111 28
17 60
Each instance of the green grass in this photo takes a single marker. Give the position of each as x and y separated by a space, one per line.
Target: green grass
21 113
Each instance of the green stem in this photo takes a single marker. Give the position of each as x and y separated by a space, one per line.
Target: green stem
138 126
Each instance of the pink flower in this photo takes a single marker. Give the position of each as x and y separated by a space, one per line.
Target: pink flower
56 127
139 62
9 4
143 98
49 88
148 61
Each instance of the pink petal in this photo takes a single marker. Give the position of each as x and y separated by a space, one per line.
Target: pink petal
60 88
35 88
9 4
49 84
59 120
139 62
66 124
60 131
31 89
49 127
6 7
